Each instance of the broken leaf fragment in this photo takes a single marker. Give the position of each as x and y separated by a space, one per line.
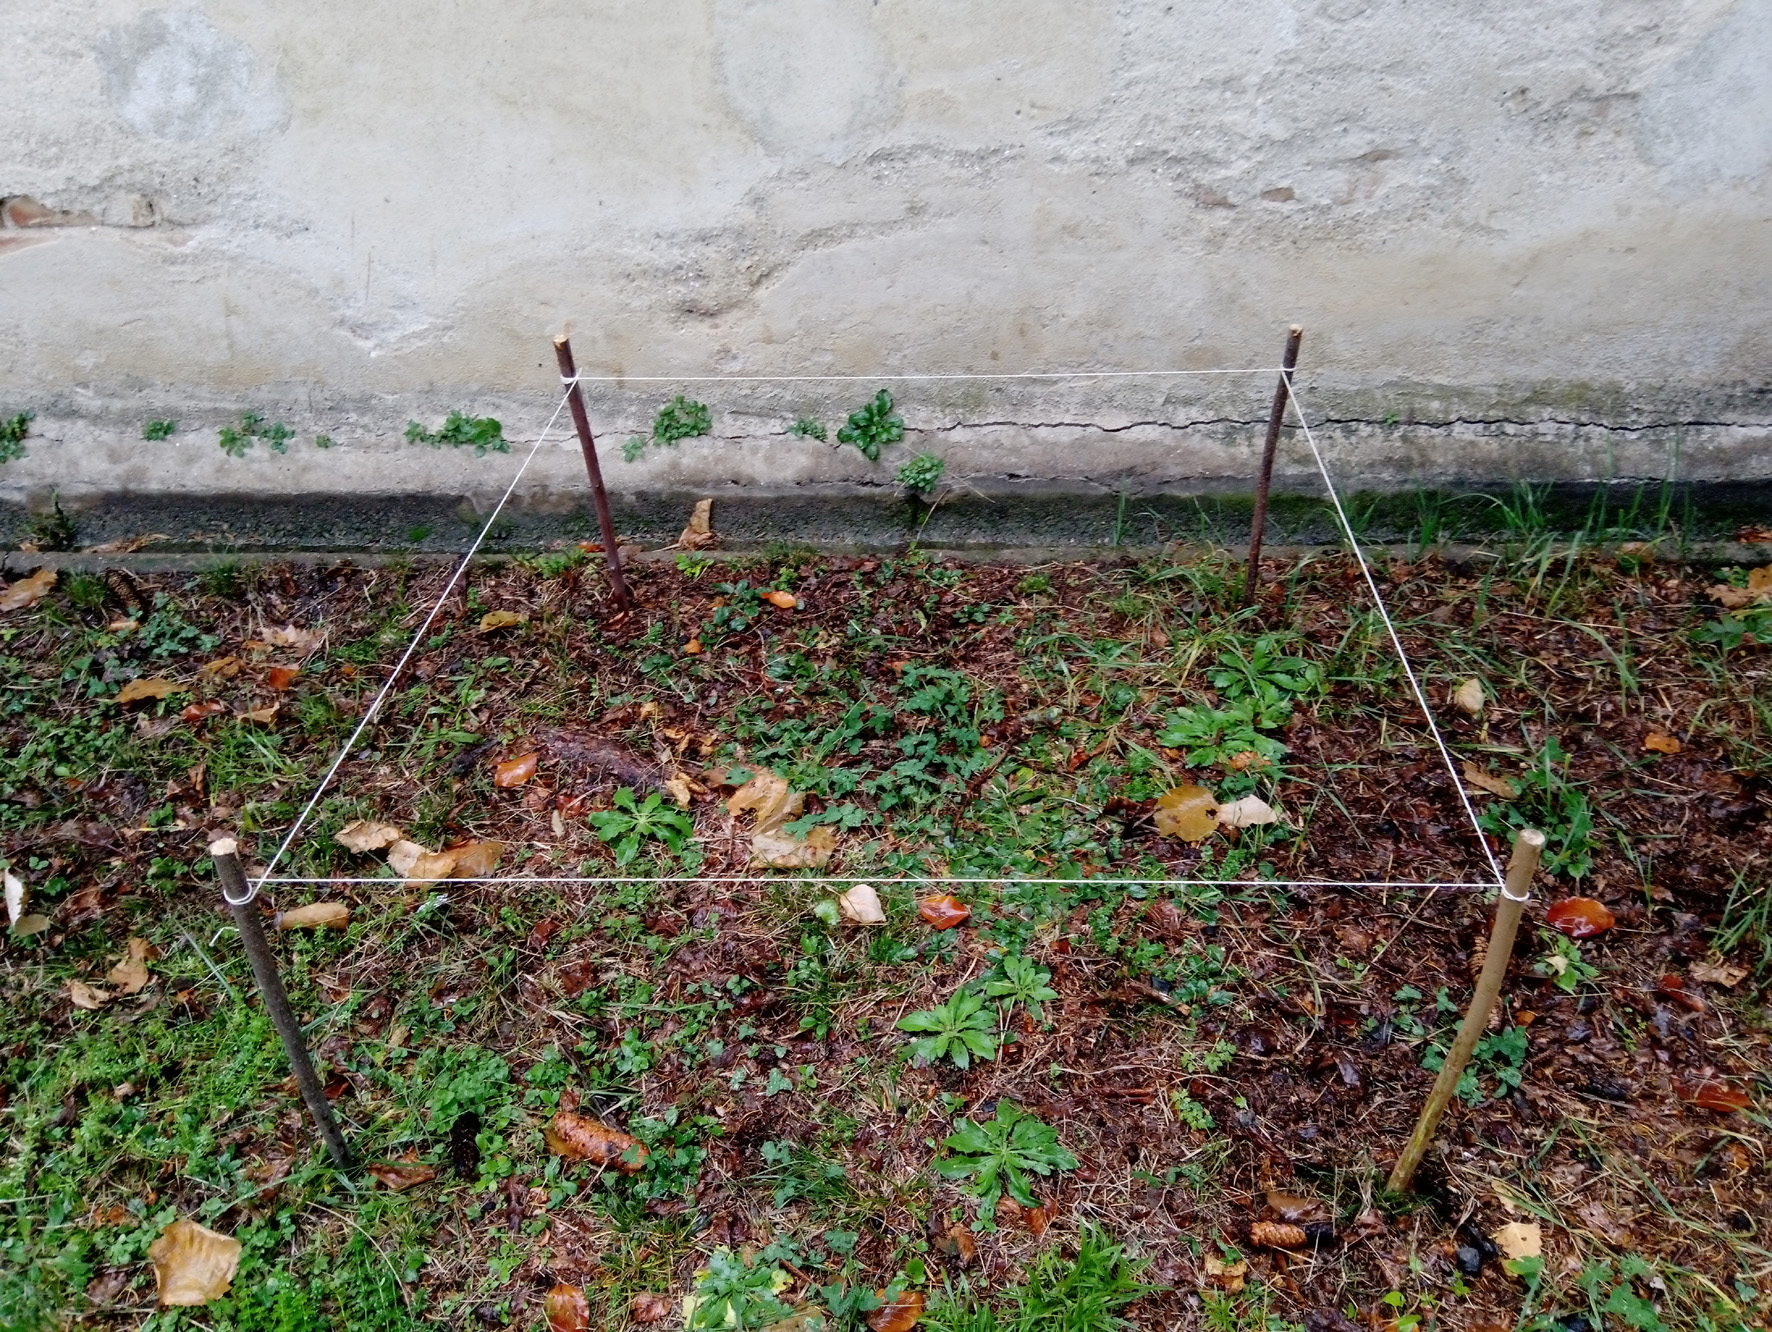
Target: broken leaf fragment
193 1264
315 916
1485 781
1468 698
363 835
157 687
860 905
515 771
1226 1276
401 1175
1187 812
580 1138
28 591
769 799
1579 917
130 976
88 996
944 912
501 619
1247 813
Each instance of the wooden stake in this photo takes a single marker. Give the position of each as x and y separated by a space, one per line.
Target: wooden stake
569 371
1265 477
238 896
1528 845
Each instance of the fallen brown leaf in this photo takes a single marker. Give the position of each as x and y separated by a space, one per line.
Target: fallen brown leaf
860 905
304 641
1295 1207
476 860
1468 698
157 687
1579 917
1725 974
1485 781
581 1138
196 712
28 591
896 1315
681 789
88 996
1758 589
782 600
315 916
515 771
566 1309
944 912
1226 1276
699 534
262 716
1520 1239
130 976
647 1307
1187 812
225 668
428 867
501 619
193 1264
279 678
1247 813
366 836
401 1175
780 850
769 800
1714 1094
403 855
1662 743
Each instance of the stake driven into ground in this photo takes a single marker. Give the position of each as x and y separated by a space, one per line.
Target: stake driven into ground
1161 1073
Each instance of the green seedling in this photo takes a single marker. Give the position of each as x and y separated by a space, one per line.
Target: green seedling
873 425
1024 983
679 419
12 436
633 822
159 429
1550 801
458 429
958 1029
236 440
733 1294
807 428
922 473
999 1155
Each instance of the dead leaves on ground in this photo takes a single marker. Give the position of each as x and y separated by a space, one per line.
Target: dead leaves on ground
157 687
1758 591
315 916
860 905
1484 781
193 1264
944 912
27 592
1192 813
1580 917
580 1138
401 1175
699 534
771 802
502 619
364 835
516 771
567 1309
417 864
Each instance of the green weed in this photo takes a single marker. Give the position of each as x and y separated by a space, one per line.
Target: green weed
872 426
807 428
236 440
485 433
13 430
633 822
998 1155
922 473
679 419
959 1029
159 429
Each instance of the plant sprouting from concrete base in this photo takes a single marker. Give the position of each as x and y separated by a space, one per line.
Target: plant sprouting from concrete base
922 473
807 428
680 418
483 432
236 440
872 425
12 436
159 429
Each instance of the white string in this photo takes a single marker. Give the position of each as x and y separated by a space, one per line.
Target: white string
1396 642
582 378
884 881
388 685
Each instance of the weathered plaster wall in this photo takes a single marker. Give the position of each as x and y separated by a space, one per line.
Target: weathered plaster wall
1545 231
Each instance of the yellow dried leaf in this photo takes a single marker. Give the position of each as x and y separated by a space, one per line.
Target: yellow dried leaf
1662 743
262 716
1485 781
1468 698
363 835
501 619
27 591
130 976
700 532
158 687
680 789
476 860
403 855
1520 1239
224 667
1227 1276
1247 812
779 850
768 797
88 996
316 916
860 905
1719 973
193 1264
430 867
1187 812
303 641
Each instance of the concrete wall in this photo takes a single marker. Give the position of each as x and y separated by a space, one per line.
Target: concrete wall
1526 239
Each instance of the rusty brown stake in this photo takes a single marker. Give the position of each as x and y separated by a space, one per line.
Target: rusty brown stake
270 987
569 371
1264 479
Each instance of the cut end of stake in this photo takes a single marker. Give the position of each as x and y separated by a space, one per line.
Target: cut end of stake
223 846
1297 330
561 339
1532 838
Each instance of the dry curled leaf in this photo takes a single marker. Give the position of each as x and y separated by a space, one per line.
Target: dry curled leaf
515 771
315 916
501 619
580 1138
28 591
1520 1239
1468 698
157 687
301 640
196 712
279 678
780 850
769 799
860 905
429 866
1247 813
944 912
896 1315
1226 1276
1187 812
88 996
193 1264
681 789
566 1309
1662 743
403 855
692 648
401 1175
225 668
363 835
1757 591
1579 917
476 860
699 533
1277 1235
1718 973
650 1307
130 976
262 716
1485 781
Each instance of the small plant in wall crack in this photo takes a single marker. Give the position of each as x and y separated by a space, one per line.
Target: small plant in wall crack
459 429
159 429
873 425
235 440
806 428
12 436
922 474
679 419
